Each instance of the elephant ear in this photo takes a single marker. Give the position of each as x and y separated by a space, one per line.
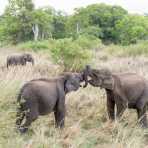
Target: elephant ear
108 83
24 56
107 79
103 78
71 82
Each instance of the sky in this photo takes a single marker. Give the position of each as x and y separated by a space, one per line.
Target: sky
133 6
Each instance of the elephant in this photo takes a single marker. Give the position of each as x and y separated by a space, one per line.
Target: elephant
125 90
20 59
43 96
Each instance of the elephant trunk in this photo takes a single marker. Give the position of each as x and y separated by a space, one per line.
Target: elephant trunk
32 61
85 80
86 72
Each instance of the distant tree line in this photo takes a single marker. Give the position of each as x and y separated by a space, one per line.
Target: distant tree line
112 24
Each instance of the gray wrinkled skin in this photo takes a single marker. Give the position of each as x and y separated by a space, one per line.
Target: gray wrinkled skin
125 90
21 59
43 96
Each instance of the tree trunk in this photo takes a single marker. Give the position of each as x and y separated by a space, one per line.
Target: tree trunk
42 35
77 28
35 30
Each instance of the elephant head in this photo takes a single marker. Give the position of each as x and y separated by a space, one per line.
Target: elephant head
99 78
28 58
72 81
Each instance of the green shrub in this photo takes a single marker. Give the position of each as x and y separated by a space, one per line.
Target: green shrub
71 54
35 46
88 42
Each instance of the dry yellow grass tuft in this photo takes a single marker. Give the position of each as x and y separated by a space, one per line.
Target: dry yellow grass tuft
87 124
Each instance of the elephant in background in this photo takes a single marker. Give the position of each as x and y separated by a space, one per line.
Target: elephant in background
43 96
21 59
125 90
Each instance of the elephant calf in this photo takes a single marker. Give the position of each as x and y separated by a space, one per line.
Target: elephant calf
21 59
42 96
123 89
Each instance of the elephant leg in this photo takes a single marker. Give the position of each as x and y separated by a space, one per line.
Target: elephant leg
31 116
141 112
110 106
60 112
121 106
7 64
59 118
23 63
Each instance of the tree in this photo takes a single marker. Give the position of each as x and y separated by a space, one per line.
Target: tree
77 22
42 24
131 29
97 17
112 24
17 18
23 22
59 25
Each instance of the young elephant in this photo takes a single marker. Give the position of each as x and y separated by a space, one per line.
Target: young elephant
19 59
123 89
42 96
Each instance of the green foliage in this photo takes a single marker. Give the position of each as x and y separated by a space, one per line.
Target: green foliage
77 22
34 45
21 22
131 29
72 54
112 24
59 25
97 19
16 20
88 42
92 31
8 28
69 53
44 19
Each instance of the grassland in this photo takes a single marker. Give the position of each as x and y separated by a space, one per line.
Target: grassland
87 125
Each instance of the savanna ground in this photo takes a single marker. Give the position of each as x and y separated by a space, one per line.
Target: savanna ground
86 126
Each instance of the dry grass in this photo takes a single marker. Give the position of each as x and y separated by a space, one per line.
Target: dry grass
87 125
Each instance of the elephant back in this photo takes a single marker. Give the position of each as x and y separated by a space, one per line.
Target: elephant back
132 84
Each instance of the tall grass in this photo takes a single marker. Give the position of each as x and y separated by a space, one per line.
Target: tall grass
141 48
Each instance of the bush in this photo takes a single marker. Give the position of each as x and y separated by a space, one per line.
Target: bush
72 54
35 46
88 42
